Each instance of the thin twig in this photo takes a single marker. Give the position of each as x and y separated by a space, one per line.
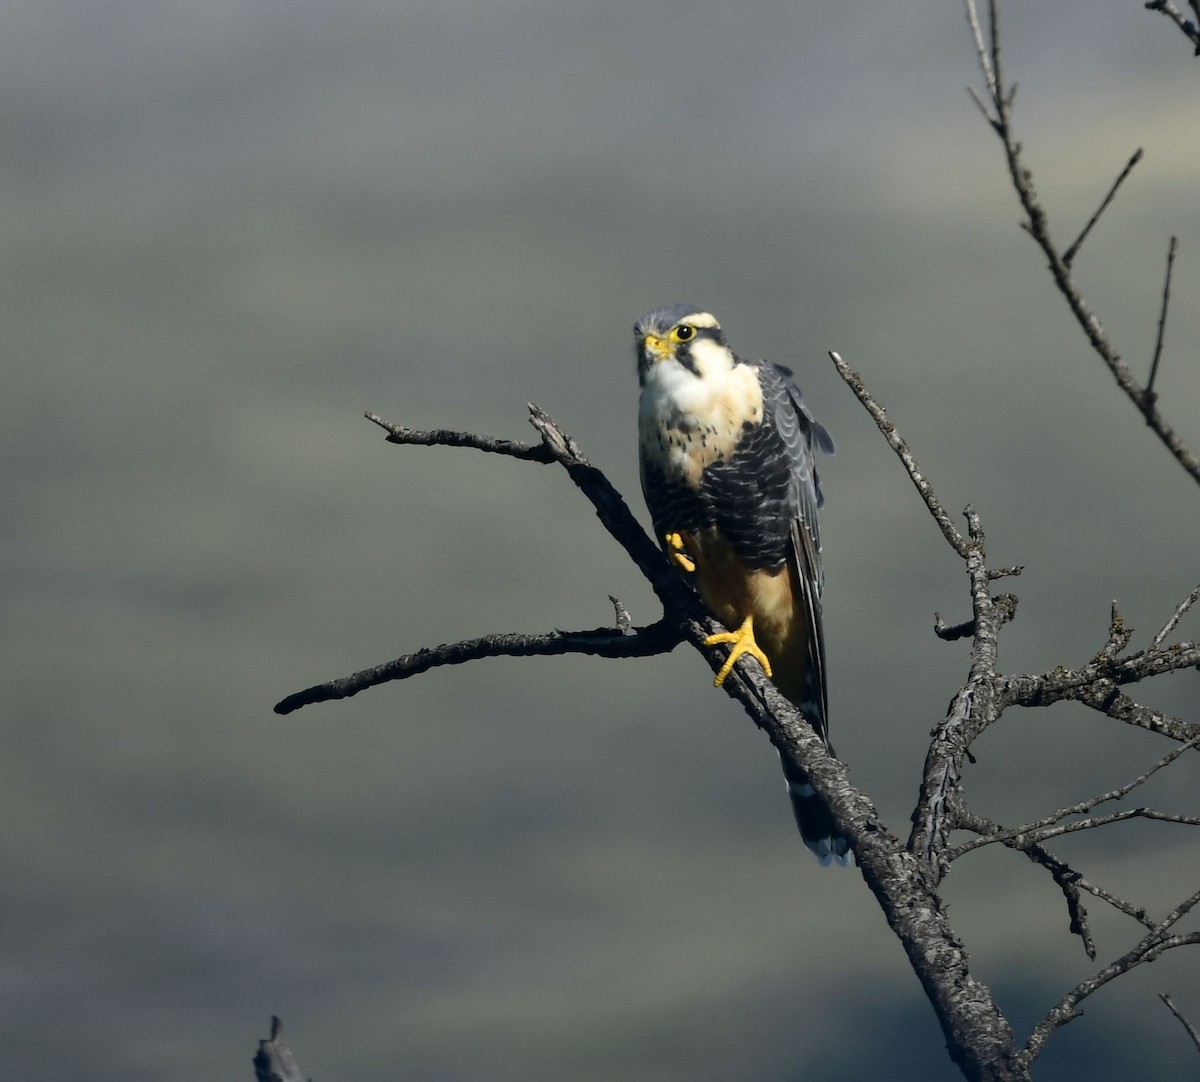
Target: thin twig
1162 320
447 437
1067 1009
1041 836
1192 1031
1042 830
1155 943
1176 616
556 446
1069 255
1137 912
996 83
1037 226
675 594
609 642
896 443
985 66
1066 877
1069 881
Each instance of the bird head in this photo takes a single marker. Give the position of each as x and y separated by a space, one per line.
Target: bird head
679 334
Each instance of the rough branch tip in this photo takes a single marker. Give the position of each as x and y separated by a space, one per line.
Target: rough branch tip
1192 1031
952 632
621 614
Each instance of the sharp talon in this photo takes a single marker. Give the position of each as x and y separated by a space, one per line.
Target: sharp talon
676 554
743 643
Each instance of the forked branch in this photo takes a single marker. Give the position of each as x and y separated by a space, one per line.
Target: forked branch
1042 830
997 107
979 1038
1153 945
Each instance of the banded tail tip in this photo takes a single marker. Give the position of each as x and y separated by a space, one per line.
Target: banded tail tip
831 851
817 827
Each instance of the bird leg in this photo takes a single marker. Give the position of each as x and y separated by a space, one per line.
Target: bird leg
676 553
743 643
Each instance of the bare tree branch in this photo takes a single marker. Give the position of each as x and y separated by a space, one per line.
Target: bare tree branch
999 114
952 633
972 709
1186 26
613 512
1096 685
274 1062
1006 610
896 443
903 877
978 1036
1020 838
1069 254
659 638
1172 248
1192 1031
1150 947
1067 1008
446 437
1176 616
1137 912
981 53
1068 879
1042 830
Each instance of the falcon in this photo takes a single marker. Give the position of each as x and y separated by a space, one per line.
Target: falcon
726 451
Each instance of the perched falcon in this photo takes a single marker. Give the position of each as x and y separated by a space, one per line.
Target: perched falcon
726 452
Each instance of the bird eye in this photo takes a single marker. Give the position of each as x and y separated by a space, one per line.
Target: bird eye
683 333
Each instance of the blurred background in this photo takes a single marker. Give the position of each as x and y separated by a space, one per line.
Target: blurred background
229 228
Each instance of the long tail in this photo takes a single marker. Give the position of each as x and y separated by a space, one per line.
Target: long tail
813 818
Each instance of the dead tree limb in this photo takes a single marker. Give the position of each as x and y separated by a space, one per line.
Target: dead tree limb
979 1038
996 104
904 877
274 1062
1192 1031
1152 946
1187 27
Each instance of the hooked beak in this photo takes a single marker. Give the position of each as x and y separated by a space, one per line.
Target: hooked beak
655 349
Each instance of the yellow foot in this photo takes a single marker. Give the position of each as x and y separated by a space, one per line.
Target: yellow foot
743 643
676 553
